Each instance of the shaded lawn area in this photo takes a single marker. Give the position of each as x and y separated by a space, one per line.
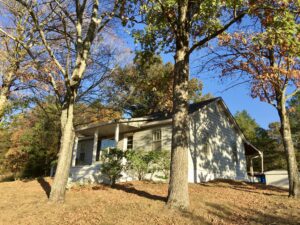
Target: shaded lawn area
218 202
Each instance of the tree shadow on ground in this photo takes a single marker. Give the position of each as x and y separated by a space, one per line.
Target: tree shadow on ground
260 191
45 185
247 187
196 219
255 217
129 188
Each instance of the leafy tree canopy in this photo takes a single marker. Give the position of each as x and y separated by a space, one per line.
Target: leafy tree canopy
267 140
205 20
145 87
247 124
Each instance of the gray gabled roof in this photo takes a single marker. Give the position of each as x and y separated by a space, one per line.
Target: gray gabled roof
198 105
192 108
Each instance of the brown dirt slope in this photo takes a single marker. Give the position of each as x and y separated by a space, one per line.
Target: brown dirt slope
219 202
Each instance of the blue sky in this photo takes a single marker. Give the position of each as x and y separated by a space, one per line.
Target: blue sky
236 98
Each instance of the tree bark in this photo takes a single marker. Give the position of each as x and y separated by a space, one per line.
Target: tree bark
65 155
4 92
285 130
178 196
3 104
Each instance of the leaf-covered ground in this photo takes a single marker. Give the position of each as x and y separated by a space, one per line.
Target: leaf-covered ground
219 202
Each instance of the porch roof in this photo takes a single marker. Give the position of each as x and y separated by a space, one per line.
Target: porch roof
251 150
105 129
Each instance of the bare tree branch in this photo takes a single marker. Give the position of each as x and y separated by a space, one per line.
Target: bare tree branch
42 35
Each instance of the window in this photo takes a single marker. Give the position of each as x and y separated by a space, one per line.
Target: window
83 153
98 151
208 150
81 158
156 137
234 152
130 142
108 143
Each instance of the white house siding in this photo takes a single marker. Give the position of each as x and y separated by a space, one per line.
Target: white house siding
213 141
142 140
85 174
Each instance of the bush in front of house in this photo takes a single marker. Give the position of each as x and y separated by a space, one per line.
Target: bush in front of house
140 163
112 165
137 163
161 164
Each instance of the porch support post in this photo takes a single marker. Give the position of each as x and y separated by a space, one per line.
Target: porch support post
75 151
251 169
95 146
117 131
262 162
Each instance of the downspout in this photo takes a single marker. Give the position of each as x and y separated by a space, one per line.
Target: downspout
261 155
262 161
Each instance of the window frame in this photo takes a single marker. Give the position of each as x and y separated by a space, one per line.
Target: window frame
157 140
154 135
130 137
234 149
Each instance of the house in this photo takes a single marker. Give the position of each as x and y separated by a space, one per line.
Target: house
217 147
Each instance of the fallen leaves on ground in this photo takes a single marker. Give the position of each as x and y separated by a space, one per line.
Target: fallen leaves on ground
217 202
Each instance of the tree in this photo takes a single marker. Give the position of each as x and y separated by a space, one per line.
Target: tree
247 124
181 27
268 141
34 140
145 87
294 109
15 75
272 145
15 162
72 27
29 140
94 112
270 59
5 144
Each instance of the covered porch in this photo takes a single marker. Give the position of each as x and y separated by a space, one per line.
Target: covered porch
252 153
90 140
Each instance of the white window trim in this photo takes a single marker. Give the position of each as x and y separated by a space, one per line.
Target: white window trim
125 142
154 135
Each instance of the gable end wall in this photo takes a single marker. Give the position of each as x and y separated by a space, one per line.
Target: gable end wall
216 147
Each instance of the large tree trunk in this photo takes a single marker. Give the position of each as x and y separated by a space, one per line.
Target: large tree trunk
288 144
178 196
3 104
65 155
4 93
